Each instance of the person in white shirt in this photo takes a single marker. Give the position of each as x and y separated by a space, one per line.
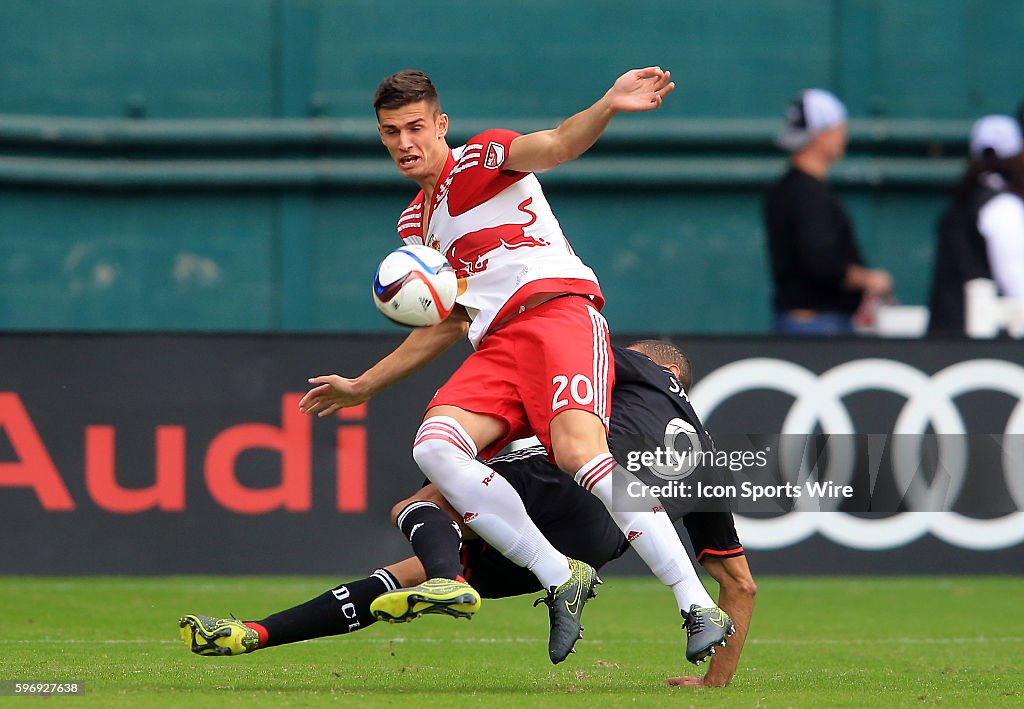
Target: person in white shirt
981 234
997 139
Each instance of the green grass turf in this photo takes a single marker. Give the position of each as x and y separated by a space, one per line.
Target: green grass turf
857 642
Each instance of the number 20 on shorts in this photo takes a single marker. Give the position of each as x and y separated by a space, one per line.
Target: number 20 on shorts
580 388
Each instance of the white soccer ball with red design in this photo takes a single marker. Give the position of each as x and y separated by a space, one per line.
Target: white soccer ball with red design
415 286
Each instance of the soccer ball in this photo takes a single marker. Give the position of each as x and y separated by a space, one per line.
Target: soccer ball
415 286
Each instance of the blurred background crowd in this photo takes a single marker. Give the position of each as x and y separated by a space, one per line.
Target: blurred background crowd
213 165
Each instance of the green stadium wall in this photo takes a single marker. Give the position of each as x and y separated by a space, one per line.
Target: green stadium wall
213 165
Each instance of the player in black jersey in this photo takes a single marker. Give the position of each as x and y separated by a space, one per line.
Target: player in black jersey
651 378
646 397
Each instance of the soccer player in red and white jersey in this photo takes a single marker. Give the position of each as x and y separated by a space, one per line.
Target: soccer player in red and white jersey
542 363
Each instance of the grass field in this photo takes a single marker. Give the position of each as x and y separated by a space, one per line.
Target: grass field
814 643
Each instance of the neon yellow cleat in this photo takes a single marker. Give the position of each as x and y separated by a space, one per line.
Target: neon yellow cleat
455 598
204 635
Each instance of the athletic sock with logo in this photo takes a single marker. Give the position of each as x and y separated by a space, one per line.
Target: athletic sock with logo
489 505
344 609
651 534
435 538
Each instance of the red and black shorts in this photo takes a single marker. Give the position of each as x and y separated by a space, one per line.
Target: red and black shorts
713 535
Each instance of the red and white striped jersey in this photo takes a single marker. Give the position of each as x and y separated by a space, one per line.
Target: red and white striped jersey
498 233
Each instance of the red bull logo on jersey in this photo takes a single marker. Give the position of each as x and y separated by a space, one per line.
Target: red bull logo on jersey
495 156
471 253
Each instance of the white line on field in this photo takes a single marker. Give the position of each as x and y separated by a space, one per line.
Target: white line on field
885 641
513 641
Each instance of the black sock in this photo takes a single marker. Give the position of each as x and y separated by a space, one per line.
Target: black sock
435 538
344 609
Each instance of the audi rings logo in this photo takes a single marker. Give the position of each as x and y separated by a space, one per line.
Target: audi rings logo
930 402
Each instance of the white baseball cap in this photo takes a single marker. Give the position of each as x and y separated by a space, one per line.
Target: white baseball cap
1000 134
813 111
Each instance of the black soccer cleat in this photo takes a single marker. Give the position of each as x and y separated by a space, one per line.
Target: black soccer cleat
565 608
706 629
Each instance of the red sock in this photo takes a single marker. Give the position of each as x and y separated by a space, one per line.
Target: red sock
261 631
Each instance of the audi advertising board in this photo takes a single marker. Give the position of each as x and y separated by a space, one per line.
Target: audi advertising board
155 454
961 513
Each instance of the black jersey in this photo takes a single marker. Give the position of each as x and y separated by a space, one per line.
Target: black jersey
650 409
652 416
648 403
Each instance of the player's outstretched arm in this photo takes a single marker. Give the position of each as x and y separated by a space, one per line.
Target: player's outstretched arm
332 392
636 90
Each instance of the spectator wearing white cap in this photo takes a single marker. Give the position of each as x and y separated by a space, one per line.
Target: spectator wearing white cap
819 275
981 232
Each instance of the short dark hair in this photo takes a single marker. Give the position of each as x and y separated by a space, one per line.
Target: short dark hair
403 88
665 353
